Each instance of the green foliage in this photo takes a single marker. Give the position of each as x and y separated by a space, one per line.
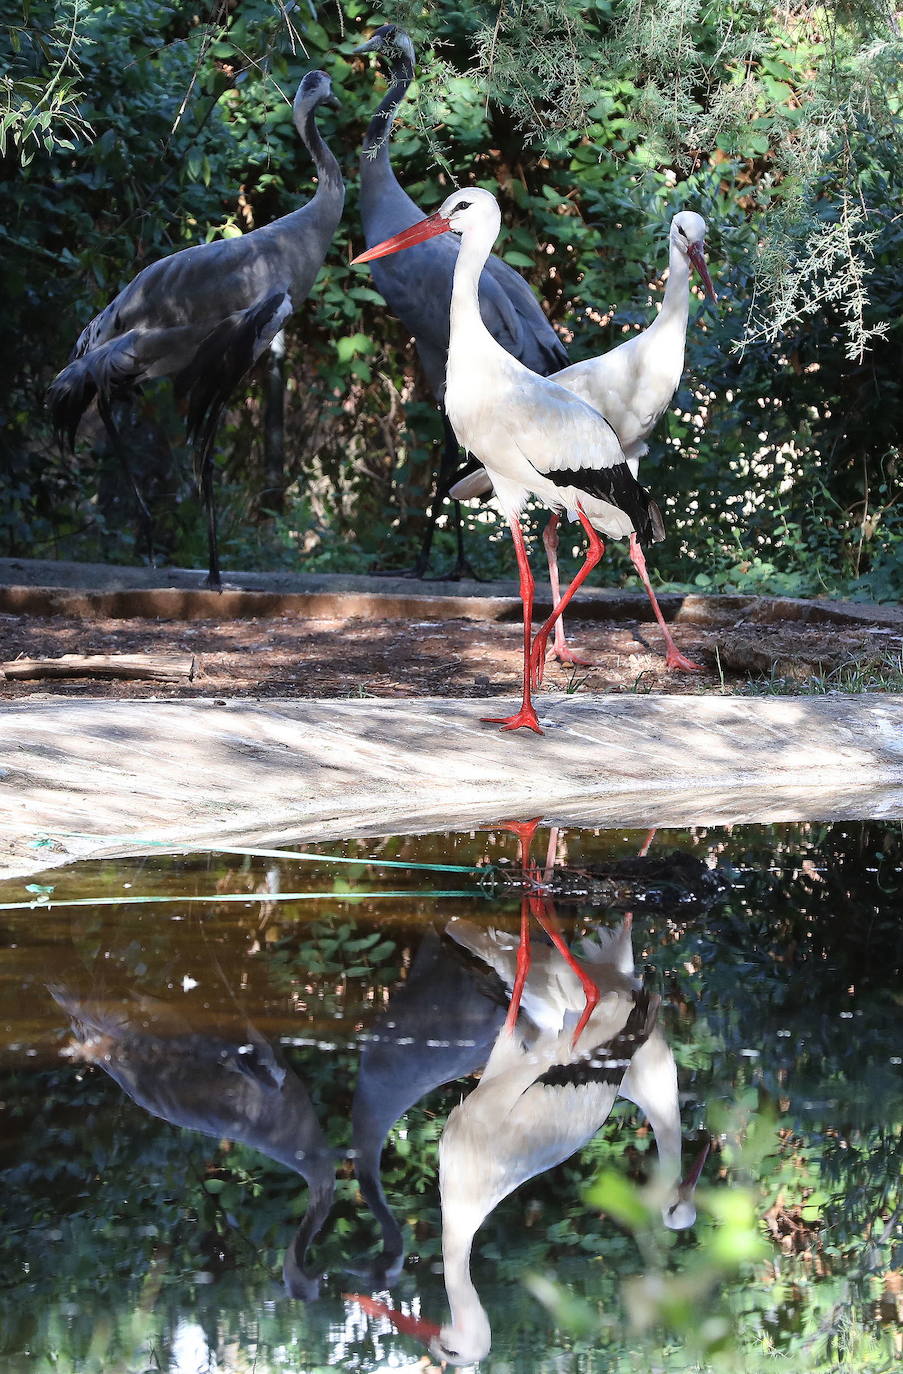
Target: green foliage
39 109
779 466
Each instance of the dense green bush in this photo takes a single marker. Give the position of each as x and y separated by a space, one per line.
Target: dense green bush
779 466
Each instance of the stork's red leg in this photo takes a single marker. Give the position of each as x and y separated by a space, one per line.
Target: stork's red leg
526 716
560 650
523 965
647 843
545 914
673 658
593 554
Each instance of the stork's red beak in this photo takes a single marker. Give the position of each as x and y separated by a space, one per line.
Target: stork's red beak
697 257
408 1326
424 229
692 1178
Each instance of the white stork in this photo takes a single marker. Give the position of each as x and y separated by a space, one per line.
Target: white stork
632 386
540 1099
204 315
532 436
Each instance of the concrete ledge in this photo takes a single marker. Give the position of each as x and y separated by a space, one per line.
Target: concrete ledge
91 778
41 587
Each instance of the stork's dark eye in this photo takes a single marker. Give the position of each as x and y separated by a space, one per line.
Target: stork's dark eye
682 232
462 205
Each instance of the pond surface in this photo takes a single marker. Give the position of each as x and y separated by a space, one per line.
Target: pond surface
201 1057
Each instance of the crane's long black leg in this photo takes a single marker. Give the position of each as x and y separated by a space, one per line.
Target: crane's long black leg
146 520
205 461
449 464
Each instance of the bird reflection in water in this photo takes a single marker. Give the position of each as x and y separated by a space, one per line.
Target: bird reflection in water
557 1066
232 1086
439 1025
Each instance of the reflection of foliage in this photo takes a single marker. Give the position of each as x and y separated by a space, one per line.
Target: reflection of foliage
779 1003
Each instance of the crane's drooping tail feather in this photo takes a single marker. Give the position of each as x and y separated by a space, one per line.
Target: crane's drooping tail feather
108 370
228 352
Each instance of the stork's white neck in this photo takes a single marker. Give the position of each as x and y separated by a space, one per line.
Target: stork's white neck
476 245
469 1331
675 311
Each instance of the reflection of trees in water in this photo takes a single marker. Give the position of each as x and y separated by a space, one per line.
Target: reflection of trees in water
762 959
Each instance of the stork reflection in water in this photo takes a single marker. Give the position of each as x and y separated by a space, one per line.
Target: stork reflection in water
543 1095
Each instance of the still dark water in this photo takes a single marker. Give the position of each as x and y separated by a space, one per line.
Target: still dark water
201 1058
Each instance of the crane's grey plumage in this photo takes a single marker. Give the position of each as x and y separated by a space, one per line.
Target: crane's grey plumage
205 315
231 1086
418 290
438 1026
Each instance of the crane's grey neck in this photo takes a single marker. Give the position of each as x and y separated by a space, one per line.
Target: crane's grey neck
370 1183
299 1280
329 177
376 139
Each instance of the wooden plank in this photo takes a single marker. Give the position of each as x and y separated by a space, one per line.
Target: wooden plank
157 667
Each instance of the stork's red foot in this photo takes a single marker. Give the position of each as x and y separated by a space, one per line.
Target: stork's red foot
563 653
679 662
524 719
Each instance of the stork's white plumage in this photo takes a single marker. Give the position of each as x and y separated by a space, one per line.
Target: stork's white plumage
632 386
532 436
539 1100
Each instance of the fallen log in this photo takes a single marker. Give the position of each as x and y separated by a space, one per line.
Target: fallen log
160 667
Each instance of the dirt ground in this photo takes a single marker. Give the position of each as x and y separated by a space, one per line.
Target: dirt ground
284 656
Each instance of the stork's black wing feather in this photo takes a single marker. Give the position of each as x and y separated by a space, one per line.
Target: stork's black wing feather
608 1063
618 486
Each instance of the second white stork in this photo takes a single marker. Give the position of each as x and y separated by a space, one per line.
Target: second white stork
532 436
632 386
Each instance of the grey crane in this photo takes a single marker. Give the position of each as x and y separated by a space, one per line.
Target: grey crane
205 315
418 289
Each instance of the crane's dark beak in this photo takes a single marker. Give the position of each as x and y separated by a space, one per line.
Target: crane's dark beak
373 44
408 1326
424 229
697 257
689 1182
333 102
